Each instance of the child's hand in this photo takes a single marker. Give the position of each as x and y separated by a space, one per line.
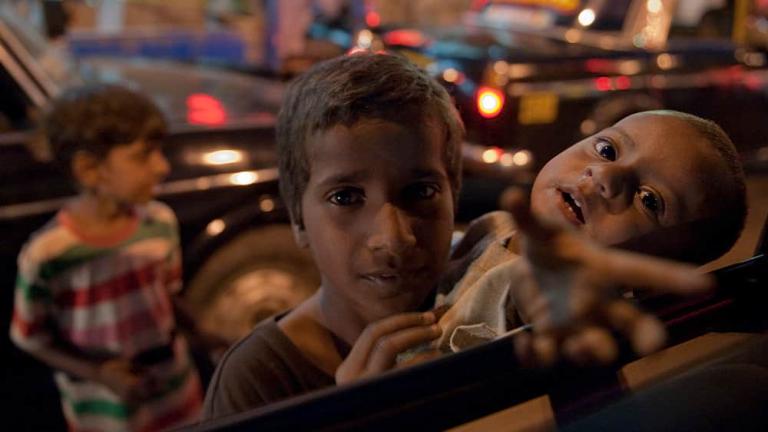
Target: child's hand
571 294
376 349
122 378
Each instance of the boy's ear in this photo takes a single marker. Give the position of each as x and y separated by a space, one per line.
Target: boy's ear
300 235
85 169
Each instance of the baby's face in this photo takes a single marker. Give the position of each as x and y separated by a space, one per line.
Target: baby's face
378 215
643 178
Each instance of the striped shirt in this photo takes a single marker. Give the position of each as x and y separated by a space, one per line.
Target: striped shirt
109 299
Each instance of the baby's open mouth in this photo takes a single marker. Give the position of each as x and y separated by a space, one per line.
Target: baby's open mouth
573 205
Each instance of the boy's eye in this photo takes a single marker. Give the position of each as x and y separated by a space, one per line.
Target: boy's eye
606 150
346 197
650 201
422 191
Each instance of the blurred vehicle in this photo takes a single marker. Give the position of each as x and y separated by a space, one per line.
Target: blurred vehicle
541 74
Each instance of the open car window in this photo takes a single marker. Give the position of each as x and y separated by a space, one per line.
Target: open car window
461 387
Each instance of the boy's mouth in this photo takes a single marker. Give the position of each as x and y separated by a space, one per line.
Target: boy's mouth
572 208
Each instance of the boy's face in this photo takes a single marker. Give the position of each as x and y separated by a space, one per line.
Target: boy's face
633 185
378 214
129 173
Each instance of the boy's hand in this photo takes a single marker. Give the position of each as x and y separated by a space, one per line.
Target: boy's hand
376 349
571 294
122 378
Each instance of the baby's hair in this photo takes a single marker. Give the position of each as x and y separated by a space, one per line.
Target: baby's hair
727 195
348 89
96 118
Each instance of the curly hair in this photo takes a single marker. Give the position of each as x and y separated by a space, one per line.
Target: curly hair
345 90
96 118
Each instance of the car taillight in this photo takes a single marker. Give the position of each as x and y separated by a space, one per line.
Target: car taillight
204 109
490 101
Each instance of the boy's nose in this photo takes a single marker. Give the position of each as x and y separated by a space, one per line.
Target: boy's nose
391 232
610 181
160 164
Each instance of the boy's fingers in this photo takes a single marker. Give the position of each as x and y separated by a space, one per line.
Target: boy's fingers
387 348
640 271
364 345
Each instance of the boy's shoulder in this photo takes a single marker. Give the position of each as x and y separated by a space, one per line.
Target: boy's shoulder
44 245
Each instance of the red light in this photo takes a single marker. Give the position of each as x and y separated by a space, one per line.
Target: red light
408 38
603 84
623 82
489 101
205 109
372 19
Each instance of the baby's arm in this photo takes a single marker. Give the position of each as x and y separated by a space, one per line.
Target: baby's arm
570 293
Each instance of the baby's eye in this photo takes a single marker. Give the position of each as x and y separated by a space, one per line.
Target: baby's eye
422 191
346 197
606 150
650 201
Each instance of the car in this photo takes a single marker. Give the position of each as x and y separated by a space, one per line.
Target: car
540 75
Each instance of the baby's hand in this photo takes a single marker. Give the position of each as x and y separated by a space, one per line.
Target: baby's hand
376 349
571 294
122 378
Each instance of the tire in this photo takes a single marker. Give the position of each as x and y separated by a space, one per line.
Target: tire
258 274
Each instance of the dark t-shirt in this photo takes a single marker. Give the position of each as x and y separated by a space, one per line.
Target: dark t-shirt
262 368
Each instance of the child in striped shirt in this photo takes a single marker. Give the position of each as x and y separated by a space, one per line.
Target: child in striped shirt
94 289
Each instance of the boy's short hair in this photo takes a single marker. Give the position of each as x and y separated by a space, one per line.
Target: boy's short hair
96 118
716 234
345 90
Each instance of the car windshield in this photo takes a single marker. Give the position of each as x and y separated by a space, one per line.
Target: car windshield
187 94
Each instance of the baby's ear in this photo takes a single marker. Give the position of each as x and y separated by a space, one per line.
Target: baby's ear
300 235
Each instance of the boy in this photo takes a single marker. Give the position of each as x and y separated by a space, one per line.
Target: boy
370 169
92 295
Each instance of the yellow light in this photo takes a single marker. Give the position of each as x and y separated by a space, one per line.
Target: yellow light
243 178
522 158
215 227
507 160
267 205
586 17
491 155
222 157
450 75
489 102
654 6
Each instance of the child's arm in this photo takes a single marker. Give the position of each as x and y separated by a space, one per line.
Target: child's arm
570 293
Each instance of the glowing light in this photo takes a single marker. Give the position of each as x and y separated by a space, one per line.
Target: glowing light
654 6
573 35
522 158
489 101
507 159
215 227
491 155
266 205
501 67
405 37
451 75
364 38
586 17
623 83
243 178
603 84
222 157
205 109
665 61
372 19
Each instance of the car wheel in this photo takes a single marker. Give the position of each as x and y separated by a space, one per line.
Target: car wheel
258 274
